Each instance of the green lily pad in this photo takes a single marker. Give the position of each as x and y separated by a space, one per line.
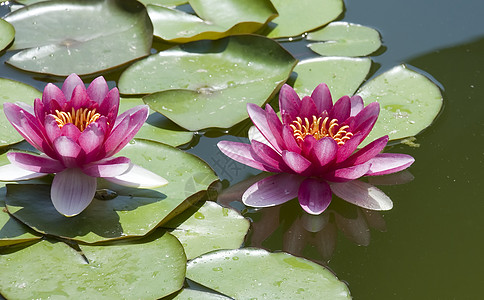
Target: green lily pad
13 91
11 231
255 273
156 128
230 17
343 75
132 212
7 33
409 102
189 294
67 37
209 83
298 17
208 228
168 3
345 39
150 268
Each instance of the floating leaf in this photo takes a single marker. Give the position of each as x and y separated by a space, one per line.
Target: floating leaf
144 269
256 273
7 33
119 211
13 91
343 75
189 294
298 17
345 39
67 37
409 102
230 17
168 3
209 83
154 127
209 228
11 231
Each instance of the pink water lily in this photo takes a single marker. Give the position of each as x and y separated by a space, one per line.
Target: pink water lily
314 151
78 131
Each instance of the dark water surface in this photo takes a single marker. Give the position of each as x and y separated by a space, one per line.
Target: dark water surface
431 245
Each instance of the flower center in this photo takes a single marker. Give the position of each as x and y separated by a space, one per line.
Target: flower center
319 129
81 118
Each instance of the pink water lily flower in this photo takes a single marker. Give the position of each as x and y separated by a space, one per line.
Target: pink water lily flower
314 151
78 131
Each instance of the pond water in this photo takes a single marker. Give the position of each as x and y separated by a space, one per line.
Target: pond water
430 245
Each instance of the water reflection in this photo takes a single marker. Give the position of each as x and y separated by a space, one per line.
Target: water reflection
289 228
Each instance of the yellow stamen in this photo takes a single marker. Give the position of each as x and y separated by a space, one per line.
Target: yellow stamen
81 118
319 129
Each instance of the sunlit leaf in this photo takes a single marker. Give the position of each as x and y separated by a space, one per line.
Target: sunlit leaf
118 211
7 33
13 91
345 39
343 75
156 127
11 230
209 228
256 273
64 37
189 294
168 3
409 102
229 17
150 268
209 83
298 17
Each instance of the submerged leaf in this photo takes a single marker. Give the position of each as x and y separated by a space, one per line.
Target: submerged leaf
345 39
409 102
265 275
65 37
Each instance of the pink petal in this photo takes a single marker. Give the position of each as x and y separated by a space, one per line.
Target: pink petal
68 151
357 105
347 174
296 162
35 163
322 98
91 141
109 106
289 140
39 110
308 108
79 97
370 111
98 89
254 134
362 194
52 92
109 167
138 177
272 190
72 191
242 153
52 129
368 152
341 109
307 145
70 84
314 195
70 130
275 126
259 118
136 118
11 172
267 156
289 103
387 163
324 151
352 144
